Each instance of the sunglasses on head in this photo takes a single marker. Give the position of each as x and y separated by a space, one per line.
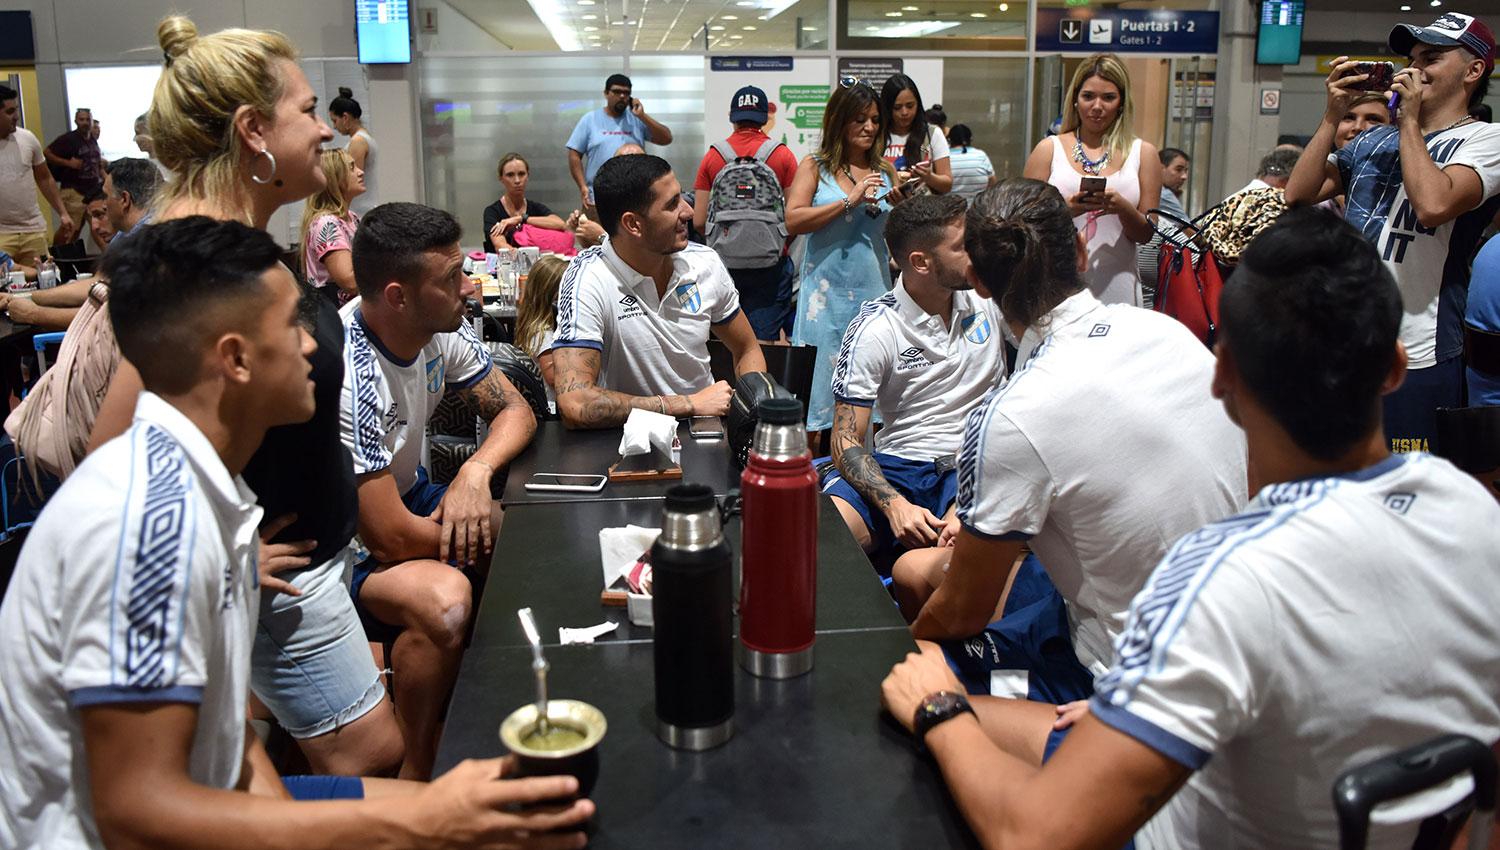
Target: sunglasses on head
851 82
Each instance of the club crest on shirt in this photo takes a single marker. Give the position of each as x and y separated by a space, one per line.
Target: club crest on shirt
689 297
435 374
912 358
976 328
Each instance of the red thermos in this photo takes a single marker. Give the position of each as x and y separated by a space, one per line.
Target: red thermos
779 545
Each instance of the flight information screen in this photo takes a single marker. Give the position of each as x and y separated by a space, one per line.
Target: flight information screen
1279 40
383 28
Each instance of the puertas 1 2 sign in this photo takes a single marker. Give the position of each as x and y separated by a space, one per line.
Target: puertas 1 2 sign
1085 30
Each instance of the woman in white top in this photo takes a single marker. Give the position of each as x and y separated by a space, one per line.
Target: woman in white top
972 170
1097 141
344 113
926 158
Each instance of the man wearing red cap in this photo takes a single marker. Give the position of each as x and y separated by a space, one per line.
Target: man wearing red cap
1422 189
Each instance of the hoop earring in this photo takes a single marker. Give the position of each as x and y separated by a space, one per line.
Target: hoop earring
268 155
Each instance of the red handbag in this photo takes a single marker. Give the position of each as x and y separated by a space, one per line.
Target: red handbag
1189 280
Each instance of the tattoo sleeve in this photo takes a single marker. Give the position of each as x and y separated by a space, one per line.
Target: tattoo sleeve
855 462
491 395
585 404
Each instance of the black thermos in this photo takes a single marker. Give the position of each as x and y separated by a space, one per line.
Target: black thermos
692 592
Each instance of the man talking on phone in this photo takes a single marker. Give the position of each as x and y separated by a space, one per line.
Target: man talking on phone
1422 190
600 133
634 314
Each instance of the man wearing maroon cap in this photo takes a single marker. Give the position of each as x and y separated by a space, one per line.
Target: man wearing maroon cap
1422 190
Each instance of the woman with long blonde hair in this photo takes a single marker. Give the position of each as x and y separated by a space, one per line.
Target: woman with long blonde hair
839 198
1098 144
536 318
328 225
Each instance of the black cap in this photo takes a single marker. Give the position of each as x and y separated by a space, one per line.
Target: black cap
690 499
779 411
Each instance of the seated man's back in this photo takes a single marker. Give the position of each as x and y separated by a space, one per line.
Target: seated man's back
1104 447
1334 621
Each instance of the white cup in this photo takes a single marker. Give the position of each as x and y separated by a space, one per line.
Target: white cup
16 282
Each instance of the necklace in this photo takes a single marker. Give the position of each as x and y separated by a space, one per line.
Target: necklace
1459 123
1089 166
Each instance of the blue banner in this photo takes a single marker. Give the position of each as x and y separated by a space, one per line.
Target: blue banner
1087 30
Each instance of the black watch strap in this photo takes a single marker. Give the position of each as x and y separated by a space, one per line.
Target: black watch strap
936 708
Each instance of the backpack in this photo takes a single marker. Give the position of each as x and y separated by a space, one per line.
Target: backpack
747 210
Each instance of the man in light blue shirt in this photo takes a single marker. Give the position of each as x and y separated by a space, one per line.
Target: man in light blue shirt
600 133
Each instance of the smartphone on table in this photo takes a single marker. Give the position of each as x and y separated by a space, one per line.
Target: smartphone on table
567 482
706 428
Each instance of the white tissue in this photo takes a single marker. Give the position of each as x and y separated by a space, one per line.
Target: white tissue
619 548
645 429
567 636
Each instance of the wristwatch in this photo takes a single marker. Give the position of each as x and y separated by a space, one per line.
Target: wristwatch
936 708
522 223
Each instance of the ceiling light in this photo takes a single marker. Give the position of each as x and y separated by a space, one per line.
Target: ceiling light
748 28
809 29
591 29
716 28
1406 8
555 18
872 29
1437 3
745 3
978 15
1005 7
591 17
910 9
736 35
729 17
585 2
893 14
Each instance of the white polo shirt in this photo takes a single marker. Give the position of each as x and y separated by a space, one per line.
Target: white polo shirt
136 585
1102 448
386 402
921 376
647 345
1332 622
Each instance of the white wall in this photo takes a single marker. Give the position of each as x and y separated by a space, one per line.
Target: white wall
70 32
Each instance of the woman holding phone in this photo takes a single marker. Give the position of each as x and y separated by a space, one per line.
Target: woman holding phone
1109 177
918 149
839 198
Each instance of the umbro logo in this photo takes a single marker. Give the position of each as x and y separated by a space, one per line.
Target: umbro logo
912 358
1099 330
1400 502
629 300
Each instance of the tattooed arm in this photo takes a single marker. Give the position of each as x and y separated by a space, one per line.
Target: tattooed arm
584 404
468 516
913 525
1096 791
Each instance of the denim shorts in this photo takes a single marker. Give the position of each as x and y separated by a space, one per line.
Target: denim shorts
311 664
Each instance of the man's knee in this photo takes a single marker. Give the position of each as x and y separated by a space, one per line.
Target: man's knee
441 607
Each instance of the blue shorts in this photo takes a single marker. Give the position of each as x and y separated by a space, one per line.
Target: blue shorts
921 482
310 663
1032 635
1411 411
324 787
422 498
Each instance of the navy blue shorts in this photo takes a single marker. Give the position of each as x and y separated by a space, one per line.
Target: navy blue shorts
422 498
766 298
324 787
920 481
1411 411
1032 635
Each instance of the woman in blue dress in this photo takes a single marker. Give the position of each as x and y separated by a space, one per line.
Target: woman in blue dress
839 198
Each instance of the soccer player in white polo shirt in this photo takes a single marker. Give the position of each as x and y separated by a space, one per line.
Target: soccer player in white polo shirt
405 344
921 356
634 314
125 636
1100 449
1346 613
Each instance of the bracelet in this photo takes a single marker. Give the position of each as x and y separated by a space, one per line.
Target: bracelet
847 206
662 400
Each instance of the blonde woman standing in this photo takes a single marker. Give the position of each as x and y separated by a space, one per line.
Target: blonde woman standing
328 225
1097 141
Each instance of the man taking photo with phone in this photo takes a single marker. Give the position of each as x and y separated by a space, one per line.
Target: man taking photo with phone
1422 190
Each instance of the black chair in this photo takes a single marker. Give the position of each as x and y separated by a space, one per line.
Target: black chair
791 366
1359 790
1469 437
453 429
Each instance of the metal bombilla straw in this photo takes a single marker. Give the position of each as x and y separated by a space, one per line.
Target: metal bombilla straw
538 666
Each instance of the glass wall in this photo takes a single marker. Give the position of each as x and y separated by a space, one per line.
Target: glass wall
989 95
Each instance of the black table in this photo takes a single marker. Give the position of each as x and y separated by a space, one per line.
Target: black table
813 762
556 449
547 558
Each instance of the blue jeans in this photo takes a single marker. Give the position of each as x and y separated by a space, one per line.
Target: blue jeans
766 298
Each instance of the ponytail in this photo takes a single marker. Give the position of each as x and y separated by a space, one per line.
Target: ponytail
1020 237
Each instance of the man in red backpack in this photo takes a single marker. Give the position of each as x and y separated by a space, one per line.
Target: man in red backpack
743 221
